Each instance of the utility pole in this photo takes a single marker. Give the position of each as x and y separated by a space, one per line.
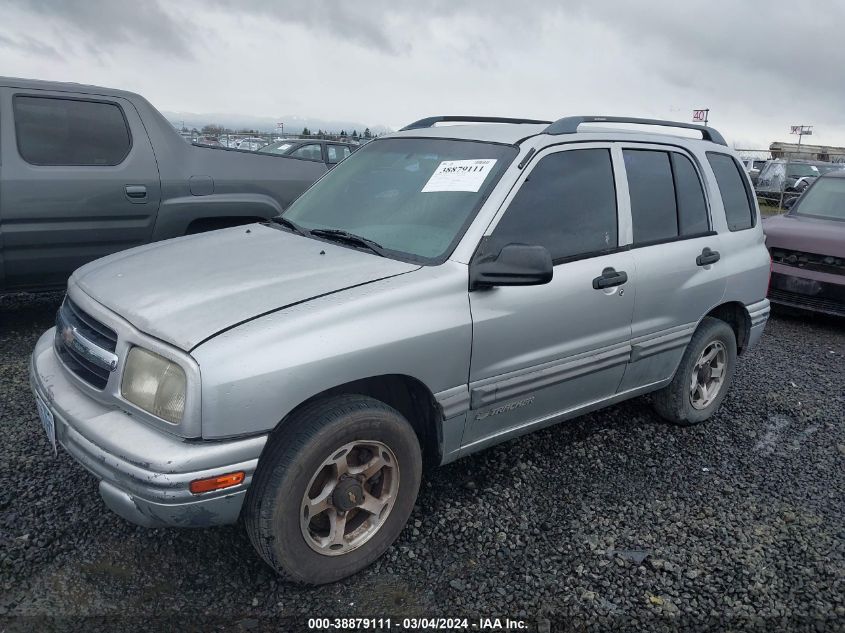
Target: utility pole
800 130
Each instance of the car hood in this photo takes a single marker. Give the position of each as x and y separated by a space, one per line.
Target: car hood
810 235
185 290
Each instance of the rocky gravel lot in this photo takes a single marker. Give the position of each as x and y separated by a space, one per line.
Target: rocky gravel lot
614 520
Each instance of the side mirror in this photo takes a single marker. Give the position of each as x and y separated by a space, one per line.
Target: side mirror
788 204
515 265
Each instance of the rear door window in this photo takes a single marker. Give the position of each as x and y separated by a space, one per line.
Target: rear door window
54 131
692 207
337 153
653 206
667 199
733 188
309 152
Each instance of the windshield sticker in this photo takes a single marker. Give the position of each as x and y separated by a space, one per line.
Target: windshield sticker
459 175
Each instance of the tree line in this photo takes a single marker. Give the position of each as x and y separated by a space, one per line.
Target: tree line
366 134
215 129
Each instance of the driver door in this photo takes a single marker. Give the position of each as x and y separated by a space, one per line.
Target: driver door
541 351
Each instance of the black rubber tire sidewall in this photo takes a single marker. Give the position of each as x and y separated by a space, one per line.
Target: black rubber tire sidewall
273 516
673 402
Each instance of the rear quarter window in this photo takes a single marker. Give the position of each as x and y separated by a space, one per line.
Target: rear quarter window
734 190
72 132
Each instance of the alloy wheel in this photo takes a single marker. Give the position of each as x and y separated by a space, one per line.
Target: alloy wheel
349 497
708 375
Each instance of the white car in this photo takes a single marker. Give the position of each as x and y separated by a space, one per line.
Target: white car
251 143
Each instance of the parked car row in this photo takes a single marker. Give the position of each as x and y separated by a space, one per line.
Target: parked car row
789 177
251 144
332 151
443 290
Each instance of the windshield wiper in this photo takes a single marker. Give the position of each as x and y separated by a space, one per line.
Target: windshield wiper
290 224
339 235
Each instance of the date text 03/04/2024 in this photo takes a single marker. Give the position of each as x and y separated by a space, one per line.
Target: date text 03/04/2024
417 624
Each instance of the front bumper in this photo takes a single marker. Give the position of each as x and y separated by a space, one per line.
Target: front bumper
144 473
808 290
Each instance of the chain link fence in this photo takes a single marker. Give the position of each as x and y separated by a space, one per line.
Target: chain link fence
783 172
253 141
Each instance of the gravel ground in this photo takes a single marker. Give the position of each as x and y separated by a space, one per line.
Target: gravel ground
613 520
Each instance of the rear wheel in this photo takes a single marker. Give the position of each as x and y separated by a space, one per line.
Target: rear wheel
703 376
333 489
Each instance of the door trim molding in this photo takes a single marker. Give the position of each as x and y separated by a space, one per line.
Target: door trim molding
454 401
513 386
661 341
556 417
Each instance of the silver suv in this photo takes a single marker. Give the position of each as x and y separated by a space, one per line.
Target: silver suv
444 289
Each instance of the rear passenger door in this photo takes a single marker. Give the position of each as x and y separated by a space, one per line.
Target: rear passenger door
80 181
676 255
540 351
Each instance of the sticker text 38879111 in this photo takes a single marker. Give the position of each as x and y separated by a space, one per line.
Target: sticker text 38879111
459 175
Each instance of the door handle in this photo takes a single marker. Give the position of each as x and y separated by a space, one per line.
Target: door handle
707 257
136 192
609 278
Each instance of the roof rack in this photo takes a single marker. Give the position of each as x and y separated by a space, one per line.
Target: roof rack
569 125
430 121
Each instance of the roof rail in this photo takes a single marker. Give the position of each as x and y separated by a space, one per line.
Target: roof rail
569 125
430 121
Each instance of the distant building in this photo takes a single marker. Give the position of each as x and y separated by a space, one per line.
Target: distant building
808 152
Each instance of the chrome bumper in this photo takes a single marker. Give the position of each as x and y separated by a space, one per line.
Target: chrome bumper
144 473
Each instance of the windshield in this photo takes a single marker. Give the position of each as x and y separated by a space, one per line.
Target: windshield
413 196
825 199
276 148
796 170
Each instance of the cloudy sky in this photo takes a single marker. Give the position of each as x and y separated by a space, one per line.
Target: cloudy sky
759 65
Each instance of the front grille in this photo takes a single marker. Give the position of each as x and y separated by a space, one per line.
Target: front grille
798 300
808 261
89 362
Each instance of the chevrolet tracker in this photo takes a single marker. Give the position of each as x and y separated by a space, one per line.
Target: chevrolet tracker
443 289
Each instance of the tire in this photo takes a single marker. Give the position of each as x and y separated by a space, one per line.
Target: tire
674 402
293 465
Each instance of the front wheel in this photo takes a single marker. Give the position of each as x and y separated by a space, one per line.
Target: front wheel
334 488
703 377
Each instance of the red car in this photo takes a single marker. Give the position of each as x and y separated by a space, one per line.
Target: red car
807 246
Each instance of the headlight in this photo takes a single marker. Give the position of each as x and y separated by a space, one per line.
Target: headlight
155 384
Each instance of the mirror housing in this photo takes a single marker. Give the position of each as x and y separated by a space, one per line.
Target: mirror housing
514 265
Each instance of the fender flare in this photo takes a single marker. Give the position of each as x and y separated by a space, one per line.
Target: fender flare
176 214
